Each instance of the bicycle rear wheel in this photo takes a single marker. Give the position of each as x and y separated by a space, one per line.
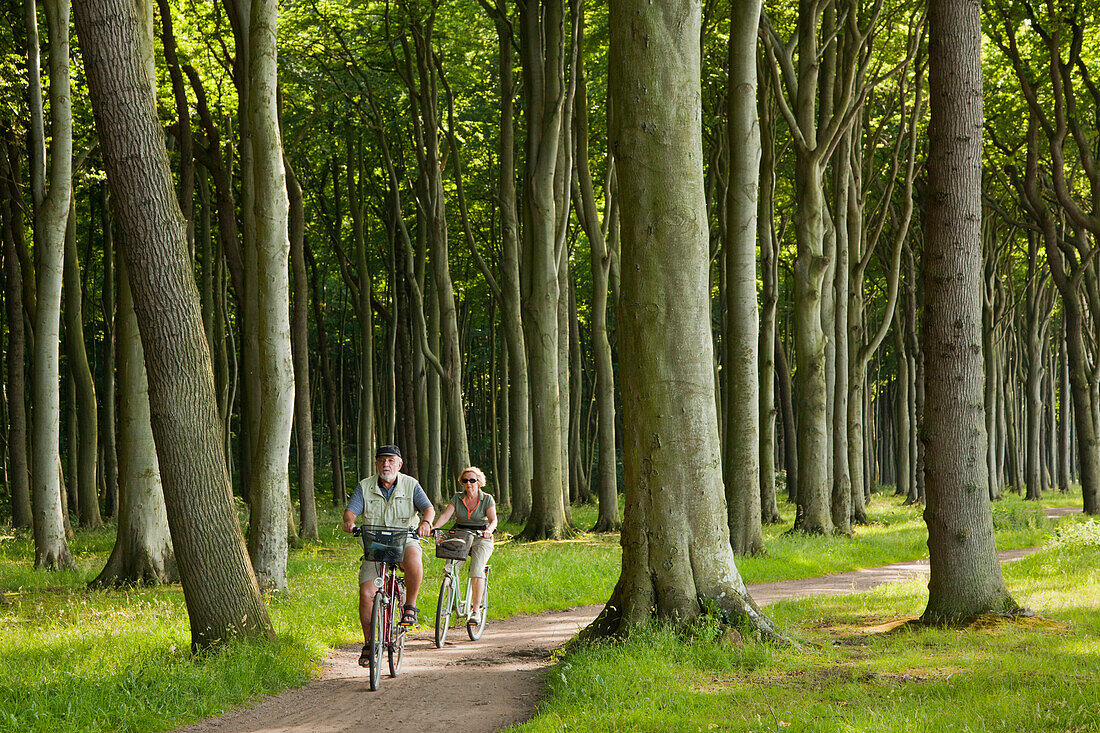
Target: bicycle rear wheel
376 638
444 607
482 613
396 646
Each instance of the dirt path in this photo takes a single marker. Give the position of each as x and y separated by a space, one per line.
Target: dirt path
485 685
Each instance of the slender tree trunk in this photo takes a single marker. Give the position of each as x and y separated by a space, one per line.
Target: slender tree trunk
51 218
965 575
108 415
269 487
19 479
902 456
329 390
741 472
303 411
769 298
607 519
786 410
1064 417
87 447
223 598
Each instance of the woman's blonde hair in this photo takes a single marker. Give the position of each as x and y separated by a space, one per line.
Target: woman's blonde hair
477 472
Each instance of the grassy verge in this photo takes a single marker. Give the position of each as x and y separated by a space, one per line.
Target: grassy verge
80 660
863 666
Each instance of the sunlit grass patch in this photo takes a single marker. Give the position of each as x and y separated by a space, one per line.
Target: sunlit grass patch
864 665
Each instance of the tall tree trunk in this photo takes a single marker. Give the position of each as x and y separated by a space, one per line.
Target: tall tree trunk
329 389
965 575
110 450
1064 417
87 413
303 411
676 558
51 218
143 545
222 596
741 472
769 298
511 320
607 519
269 488
19 479
542 48
902 457
841 500
786 410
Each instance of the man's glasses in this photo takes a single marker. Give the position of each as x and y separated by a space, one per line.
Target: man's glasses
468 480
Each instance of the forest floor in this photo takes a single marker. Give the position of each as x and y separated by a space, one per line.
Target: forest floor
486 685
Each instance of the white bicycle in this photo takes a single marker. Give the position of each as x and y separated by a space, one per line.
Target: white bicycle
453 545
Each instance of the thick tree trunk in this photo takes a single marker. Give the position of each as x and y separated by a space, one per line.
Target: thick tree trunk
676 557
741 470
143 545
51 217
269 488
965 575
542 49
223 598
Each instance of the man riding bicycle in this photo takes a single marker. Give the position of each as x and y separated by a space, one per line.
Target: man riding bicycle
392 499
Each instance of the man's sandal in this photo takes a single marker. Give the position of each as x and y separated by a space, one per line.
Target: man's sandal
364 657
408 615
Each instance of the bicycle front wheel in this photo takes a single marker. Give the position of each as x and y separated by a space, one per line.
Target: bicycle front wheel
443 609
396 646
376 640
482 613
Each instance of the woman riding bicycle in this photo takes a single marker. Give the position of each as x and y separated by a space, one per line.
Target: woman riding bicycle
473 509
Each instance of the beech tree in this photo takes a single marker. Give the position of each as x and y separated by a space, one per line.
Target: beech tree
222 595
51 200
965 577
676 551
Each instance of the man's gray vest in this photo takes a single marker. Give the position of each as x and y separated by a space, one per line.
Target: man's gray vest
398 511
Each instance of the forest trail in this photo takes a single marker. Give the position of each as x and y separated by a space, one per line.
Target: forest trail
486 685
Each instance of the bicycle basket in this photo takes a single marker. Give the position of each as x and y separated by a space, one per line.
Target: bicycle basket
384 544
453 544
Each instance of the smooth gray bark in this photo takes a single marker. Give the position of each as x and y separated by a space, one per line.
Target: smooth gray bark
51 218
741 470
676 557
143 544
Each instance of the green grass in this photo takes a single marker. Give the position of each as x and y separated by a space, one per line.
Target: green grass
75 659
862 666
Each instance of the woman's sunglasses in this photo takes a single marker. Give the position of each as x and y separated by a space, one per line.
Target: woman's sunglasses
468 480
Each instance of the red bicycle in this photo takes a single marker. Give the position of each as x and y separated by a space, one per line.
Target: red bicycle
386 545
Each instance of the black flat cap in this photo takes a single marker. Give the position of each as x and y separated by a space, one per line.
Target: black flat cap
387 450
